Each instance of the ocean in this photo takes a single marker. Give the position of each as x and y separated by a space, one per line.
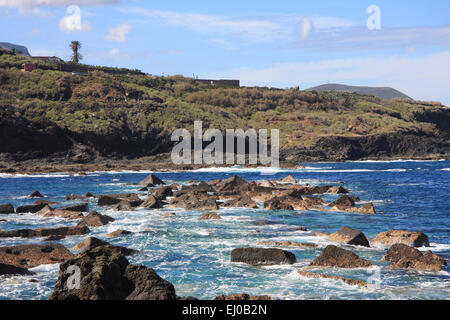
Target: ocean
194 255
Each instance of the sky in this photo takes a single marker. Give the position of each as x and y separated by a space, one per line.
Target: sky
284 43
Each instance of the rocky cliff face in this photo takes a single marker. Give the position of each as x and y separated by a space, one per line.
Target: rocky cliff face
58 117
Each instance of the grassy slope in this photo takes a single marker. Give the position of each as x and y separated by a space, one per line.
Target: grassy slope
104 103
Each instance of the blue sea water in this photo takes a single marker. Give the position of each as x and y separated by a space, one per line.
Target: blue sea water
195 255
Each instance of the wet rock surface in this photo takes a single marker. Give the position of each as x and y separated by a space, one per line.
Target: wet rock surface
351 236
333 256
410 238
405 257
262 256
107 275
30 256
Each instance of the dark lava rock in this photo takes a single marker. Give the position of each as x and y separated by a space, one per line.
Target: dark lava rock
151 203
33 255
7 269
92 242
123 205
210 216
348 235
244 201
30 233
106 200
36 194
410 238
262 256
95 219
6 208
118 233
82 207
403 256
343 201
107 275
333 256
162 193
151 180
33 208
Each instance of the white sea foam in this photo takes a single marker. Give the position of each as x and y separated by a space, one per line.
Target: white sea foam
445 169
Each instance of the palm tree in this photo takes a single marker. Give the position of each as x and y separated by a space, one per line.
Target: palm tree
76 46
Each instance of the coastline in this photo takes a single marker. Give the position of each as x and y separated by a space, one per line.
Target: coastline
160 163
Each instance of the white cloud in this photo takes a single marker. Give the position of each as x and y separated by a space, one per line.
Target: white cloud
254 29
31 4
118 33
423 78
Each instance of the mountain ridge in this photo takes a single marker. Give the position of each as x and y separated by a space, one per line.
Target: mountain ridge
380 92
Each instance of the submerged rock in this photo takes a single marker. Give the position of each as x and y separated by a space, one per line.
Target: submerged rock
333 256
403 256
368 208
337 190
287 244
118 233
351 236
33 255
107 275
262 256
349 281
410 238
6 208
210 216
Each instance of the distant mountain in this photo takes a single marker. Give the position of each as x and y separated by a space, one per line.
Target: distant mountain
18 48
380 92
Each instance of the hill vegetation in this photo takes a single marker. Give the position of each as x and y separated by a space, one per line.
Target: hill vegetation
54 114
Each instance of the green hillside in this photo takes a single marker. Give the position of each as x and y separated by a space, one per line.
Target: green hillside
127 113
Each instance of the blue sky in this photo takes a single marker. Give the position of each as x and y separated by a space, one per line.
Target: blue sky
268 43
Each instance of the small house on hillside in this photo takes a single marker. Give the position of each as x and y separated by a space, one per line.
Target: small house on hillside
28 67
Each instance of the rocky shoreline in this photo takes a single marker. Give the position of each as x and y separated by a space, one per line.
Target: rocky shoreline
107 274
159 163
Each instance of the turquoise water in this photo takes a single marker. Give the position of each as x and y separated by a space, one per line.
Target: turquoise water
195 255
